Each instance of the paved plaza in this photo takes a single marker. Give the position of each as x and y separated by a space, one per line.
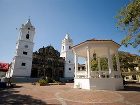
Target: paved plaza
28 94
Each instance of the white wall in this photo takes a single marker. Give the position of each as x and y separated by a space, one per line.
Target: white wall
99 83
106 83
83 83
20 70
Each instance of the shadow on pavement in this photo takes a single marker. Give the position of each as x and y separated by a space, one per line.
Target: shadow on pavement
131 88
9 96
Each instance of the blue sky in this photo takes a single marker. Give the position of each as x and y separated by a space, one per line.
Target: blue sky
82 19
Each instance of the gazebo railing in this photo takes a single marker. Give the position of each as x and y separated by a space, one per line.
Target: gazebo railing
105 74
81 74
117 74
100 74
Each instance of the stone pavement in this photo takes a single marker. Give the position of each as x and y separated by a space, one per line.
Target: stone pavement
28 94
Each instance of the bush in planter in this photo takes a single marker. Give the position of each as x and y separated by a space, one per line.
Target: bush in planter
43 82
50 80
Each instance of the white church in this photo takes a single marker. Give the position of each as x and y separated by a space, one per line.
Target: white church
86 79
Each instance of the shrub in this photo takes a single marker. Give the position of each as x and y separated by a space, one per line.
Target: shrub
43 82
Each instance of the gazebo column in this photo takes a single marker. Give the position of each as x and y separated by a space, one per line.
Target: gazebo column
86 66
76 64
88 61
99 67
117 61
110 63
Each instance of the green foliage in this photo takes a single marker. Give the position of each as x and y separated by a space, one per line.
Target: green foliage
50 80
103 63
129 21
128 60
94 65
43 81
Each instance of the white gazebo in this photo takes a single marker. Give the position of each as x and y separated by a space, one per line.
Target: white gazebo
109 79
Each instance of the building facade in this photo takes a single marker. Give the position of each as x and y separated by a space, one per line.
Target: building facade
22 62
47 63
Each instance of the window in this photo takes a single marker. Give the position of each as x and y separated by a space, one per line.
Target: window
28 28
27 36
63 47
25 53
23 64
78 68
69 68
26 46
69 61
69 47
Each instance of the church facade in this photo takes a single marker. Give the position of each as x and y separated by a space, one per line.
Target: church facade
47 63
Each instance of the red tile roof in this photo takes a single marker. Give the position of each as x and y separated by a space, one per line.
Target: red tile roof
4 67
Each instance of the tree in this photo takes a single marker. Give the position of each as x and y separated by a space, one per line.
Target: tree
103 64
127 61
129 21
94 65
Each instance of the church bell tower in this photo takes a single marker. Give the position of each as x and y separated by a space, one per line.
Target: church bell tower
22 62
67 53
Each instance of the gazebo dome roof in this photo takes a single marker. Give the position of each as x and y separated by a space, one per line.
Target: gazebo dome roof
100 47
97 40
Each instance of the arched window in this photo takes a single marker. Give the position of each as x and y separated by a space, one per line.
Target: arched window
63 47
27 36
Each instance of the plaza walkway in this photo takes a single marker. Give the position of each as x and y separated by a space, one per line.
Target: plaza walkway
28 94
